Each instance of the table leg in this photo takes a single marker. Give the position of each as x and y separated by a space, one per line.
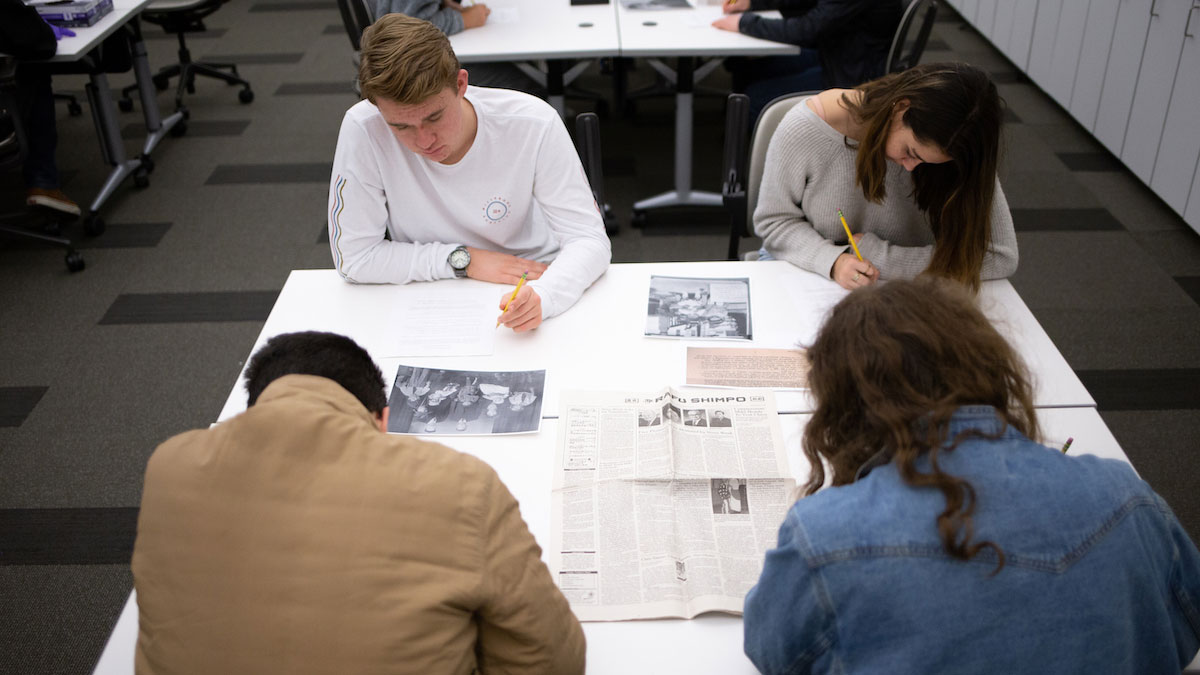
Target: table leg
555 87
156 127
104 115
682 195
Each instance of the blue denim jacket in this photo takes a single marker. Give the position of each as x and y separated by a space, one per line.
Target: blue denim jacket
1099 576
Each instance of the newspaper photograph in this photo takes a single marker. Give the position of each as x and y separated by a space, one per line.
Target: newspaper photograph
684 307
665 503
435 401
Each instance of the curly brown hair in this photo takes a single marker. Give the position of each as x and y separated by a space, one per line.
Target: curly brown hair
954 106
891 365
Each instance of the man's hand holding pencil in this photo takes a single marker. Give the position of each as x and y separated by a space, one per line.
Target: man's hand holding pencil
522 310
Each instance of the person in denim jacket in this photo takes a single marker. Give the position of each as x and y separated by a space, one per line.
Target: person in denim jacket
950 540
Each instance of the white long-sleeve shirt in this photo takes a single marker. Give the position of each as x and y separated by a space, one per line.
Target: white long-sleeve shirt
520 189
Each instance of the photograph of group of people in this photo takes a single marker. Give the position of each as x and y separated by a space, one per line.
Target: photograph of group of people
473 402
698 308
688 417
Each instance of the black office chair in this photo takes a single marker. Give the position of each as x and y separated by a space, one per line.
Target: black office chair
12 156
745 155
587 139
181 17
908 46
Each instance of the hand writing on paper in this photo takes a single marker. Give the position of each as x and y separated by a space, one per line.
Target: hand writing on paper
524 312
501 268
729 23
475 16
735 6
851 273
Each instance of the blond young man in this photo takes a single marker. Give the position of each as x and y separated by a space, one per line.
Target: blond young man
464 181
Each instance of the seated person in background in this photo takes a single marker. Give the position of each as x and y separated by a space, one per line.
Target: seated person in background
910 159
464 181
449 16
25 35
950 540
298 537
843 44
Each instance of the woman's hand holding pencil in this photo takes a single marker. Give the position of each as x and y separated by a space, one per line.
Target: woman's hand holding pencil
852 271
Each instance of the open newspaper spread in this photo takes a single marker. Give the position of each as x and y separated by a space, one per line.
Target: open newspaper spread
665 503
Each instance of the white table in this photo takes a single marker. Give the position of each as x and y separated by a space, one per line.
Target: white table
686 34
530 30
599 343
100 98
707 644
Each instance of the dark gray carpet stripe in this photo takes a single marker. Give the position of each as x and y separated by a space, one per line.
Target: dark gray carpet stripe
190 307
1191 285
324 237
1006 76
936 45
284 57
333 29
126 235
1011 117
195 128
1090 161
1073 220
100 536
207 33
1160 389
339 87
16 403
295 5
233 174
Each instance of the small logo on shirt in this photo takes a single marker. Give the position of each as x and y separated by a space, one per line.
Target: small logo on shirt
496 209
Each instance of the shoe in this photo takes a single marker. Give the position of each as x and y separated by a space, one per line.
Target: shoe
51 199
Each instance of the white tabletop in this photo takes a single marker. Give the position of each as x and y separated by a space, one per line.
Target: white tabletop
88 37
519 30
707 644
688 32
599 343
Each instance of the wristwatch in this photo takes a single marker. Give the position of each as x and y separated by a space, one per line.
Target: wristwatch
459 258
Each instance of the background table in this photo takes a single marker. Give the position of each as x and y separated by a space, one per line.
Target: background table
710 643
599 343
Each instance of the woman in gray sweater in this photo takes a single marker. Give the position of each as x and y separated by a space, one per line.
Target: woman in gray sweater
910 160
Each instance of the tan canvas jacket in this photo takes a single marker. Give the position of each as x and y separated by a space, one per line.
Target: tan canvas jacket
298 538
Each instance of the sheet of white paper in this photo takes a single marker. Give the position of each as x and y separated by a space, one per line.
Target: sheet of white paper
445 323
504 15
814 306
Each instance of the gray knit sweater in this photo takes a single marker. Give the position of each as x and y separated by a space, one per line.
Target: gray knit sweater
809 175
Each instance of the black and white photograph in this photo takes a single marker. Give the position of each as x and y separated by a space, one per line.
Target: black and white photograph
694 417
729 496
672 414
435 401
714 309
649 417
718 418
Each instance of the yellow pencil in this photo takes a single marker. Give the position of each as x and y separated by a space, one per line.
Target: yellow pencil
513 296
1067 445
851 236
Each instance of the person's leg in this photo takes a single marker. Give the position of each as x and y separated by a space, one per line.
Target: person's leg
501 76
36 98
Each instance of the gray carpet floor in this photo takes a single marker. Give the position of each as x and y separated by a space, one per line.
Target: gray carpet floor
98 367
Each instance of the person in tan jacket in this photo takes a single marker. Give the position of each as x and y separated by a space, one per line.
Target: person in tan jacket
299 538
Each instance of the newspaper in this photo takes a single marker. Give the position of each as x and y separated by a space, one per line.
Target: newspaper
664 504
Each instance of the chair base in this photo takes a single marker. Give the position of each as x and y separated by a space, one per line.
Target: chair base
10 228
187 70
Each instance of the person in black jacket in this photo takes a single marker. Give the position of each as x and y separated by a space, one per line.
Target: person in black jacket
843 44
25 35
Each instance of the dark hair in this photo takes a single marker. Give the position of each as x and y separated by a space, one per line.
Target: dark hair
327 355
889 368
956 107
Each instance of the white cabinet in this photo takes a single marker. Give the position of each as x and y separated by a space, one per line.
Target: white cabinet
1192 214
1024 14
1160 59
985 16
1120 78
1002 24
1041 51
1176 162
1068 41
1093 59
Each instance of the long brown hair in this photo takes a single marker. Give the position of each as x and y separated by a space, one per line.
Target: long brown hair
889 368
956 107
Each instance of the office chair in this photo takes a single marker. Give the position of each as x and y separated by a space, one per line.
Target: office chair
181 17
904 53
743 173
587 138
12 156
355 18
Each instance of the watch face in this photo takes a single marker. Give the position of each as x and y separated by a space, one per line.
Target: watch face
459 259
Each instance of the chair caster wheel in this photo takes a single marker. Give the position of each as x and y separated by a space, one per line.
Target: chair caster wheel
147 163
245 96
180 127
639 219
93 225
125 104
74 261
74 109
161 83
141 179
